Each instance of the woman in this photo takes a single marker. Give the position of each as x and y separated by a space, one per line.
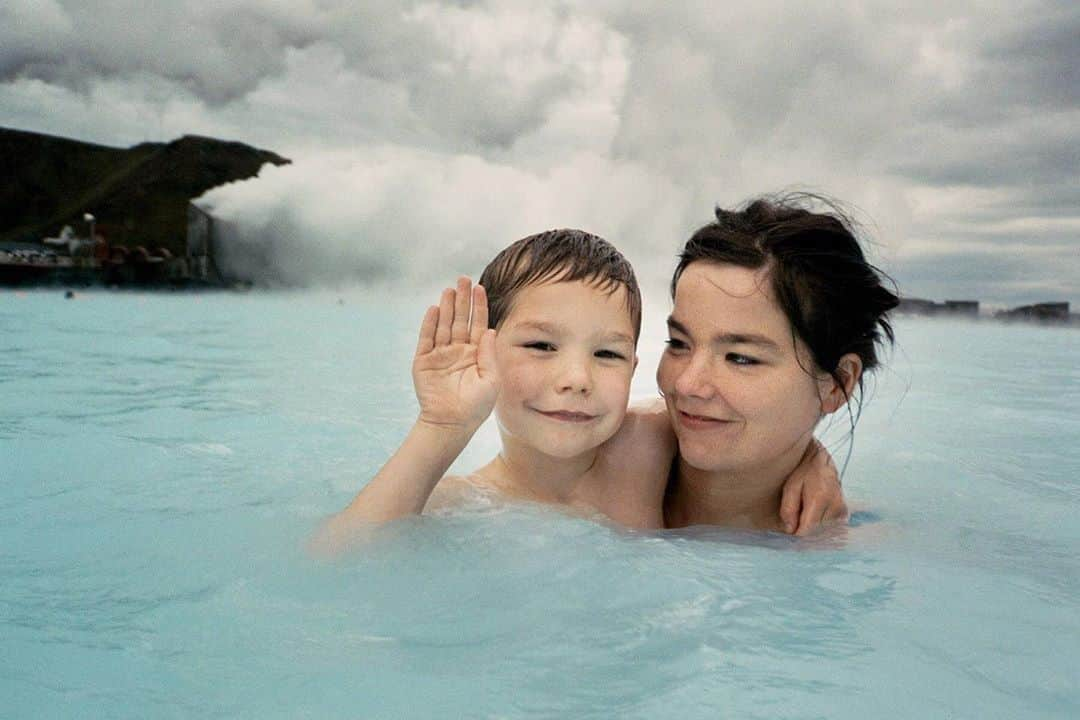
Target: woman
764 342
777 315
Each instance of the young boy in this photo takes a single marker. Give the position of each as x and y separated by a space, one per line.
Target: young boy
567 309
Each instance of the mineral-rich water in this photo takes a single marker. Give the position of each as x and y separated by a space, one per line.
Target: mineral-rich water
163 457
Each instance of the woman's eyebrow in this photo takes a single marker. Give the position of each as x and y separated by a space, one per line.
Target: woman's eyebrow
729 338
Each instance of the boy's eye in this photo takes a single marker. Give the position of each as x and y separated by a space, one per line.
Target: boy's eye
540 345
675 344
740 359
609 355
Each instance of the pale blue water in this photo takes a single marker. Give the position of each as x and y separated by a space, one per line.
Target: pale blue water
162 458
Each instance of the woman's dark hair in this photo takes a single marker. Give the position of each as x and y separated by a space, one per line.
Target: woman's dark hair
834 298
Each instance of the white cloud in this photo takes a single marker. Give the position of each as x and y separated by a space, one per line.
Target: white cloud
392 212
951 126
28 27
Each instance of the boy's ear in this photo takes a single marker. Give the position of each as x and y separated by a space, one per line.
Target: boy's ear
834 395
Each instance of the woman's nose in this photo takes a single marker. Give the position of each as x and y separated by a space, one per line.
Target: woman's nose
695 379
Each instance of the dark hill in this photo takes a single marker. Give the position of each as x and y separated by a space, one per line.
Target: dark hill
139 195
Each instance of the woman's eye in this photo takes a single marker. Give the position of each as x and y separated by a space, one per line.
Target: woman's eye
609 355
739 359
542 346
675 344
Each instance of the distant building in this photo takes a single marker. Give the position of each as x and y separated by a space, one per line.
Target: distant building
1050 312
916 306
962 307
922 306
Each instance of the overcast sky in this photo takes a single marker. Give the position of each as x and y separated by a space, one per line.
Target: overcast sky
427 135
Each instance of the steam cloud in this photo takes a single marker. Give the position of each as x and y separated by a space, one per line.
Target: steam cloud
426 135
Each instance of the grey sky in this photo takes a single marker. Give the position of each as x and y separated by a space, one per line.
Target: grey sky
426 135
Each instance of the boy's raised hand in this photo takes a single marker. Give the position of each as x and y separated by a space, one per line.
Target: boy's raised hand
454 367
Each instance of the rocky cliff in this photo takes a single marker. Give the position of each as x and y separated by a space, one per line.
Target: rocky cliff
139 195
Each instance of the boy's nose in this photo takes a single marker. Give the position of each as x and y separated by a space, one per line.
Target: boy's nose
574 376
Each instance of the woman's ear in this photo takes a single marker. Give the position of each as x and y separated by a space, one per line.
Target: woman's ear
833 394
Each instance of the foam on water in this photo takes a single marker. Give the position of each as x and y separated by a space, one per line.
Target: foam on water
163 458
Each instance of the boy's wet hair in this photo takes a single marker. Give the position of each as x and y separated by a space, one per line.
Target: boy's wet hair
563 255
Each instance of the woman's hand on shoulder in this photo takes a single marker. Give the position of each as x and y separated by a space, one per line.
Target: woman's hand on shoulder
812 494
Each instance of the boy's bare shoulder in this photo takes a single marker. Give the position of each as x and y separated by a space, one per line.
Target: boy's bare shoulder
455 490
450 491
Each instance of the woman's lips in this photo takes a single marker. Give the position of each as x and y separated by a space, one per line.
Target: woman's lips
567 416
701 422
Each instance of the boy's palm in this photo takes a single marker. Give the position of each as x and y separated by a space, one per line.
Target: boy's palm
455 384
454 367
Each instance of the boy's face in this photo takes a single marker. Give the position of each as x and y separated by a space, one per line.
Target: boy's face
565 356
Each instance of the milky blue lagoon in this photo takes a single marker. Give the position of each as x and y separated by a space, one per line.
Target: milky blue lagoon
162 458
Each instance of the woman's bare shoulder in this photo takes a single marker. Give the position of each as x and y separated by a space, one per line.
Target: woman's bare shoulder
643 448
647 428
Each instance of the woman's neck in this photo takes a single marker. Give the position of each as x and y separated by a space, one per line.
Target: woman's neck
525 471
743 498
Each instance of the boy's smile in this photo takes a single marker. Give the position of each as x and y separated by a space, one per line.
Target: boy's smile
565 355
568 416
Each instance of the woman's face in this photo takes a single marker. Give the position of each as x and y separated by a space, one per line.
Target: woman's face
734 379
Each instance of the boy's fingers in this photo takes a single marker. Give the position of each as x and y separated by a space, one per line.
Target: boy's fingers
479 322
485 355
789 504
460 328
427 331
446 317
